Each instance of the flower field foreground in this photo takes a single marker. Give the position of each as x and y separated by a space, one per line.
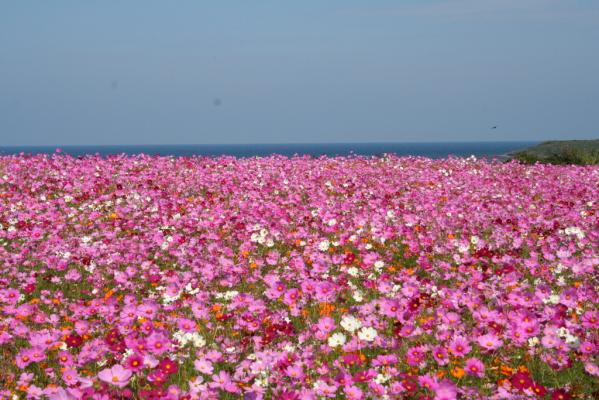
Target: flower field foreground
297 278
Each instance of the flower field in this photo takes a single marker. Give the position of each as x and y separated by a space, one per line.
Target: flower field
297 278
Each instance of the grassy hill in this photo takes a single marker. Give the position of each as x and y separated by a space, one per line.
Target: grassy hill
579 152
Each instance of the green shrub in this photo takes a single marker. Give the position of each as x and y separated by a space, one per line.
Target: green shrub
565 155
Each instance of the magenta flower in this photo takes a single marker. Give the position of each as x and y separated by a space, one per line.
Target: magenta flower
117 376
70 376
134 362
459 347
445 390
475 367
440 355
490 341
353 392
223 381
158 343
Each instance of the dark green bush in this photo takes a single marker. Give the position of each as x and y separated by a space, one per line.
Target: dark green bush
566 155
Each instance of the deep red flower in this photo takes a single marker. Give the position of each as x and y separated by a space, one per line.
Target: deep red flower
521 381
74 340
168 366
539 390
30 288
560 394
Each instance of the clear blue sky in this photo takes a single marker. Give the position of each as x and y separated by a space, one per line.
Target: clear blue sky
142 72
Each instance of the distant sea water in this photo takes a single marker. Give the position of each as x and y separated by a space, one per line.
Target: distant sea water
429 149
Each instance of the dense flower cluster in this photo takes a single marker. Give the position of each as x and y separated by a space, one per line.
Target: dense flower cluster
297 278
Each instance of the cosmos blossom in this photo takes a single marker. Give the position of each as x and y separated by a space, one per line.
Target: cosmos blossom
475 367
117 375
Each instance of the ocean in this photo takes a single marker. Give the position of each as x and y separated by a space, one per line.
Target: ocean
430 149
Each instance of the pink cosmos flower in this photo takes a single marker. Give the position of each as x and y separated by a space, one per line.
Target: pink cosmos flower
326 390
58 393
23 359
587 347
70 376
416 355
475 367
326 324
591 368
490 341
134 362
223 381
158 343
295 372
459 346
204 366
441 355
445 390
353 392
186 325
117 375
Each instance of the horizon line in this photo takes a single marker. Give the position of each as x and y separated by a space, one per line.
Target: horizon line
58 146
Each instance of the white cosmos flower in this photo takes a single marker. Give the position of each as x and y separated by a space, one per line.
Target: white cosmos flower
368 334
336 339
358 296
324 245
350 323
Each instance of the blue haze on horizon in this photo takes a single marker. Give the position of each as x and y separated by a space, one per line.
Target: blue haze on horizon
158 72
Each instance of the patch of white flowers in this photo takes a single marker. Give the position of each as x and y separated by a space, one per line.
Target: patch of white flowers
576 231
229 295
324 245
350 323
367 334
570 339
552 299
194 338
337 339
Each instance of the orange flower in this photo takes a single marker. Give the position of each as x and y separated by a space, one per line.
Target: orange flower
326 308
458 372
108 294
522 368
505 370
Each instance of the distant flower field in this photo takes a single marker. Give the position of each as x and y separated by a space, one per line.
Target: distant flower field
297 278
